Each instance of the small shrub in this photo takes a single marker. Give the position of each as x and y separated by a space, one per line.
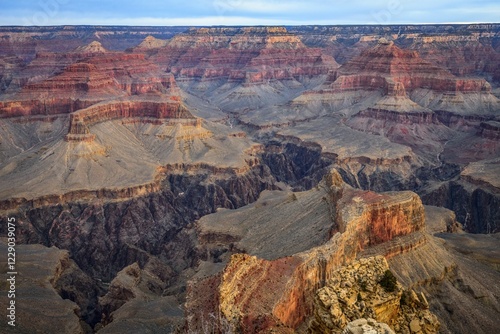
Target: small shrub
404 299
388 281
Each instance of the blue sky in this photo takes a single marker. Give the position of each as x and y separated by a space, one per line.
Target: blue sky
245 12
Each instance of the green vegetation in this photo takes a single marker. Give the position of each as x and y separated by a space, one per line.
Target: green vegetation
405 299
388 281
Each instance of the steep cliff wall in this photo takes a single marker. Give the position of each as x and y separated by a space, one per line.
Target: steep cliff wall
88 75
74 223
81 120
287 285
476 206
47 291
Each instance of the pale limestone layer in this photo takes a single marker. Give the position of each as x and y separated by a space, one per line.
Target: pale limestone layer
483 172
399 104
345 142
92 47
122 155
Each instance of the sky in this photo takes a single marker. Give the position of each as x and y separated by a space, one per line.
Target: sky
245 12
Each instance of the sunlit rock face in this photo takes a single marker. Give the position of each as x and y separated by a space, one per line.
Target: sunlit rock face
280 291
359 291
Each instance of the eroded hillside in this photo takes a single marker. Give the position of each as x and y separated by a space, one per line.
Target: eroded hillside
224 178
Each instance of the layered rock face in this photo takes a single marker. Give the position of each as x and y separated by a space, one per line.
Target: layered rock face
134 74
460 48
387 60
468 55
396 72
63 93
92 75
281 290
81 120
222 58
395 93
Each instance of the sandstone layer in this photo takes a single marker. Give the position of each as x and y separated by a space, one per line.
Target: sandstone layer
293 278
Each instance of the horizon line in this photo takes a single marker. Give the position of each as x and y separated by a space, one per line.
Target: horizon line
251 25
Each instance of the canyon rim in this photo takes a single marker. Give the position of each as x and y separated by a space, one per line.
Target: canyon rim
251 179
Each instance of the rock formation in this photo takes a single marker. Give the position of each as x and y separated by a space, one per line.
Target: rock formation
275 291
185 174
94 47
223 58
393 71
46 290
364 290
99 77
281 289
468 194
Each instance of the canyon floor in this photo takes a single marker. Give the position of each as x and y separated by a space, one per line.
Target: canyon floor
302 179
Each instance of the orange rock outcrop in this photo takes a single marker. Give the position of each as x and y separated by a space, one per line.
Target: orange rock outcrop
256 295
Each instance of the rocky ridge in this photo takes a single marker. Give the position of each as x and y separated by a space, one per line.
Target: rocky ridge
46 279
279 280
293 279
358 291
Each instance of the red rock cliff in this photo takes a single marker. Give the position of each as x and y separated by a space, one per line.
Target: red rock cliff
378 67
257 295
